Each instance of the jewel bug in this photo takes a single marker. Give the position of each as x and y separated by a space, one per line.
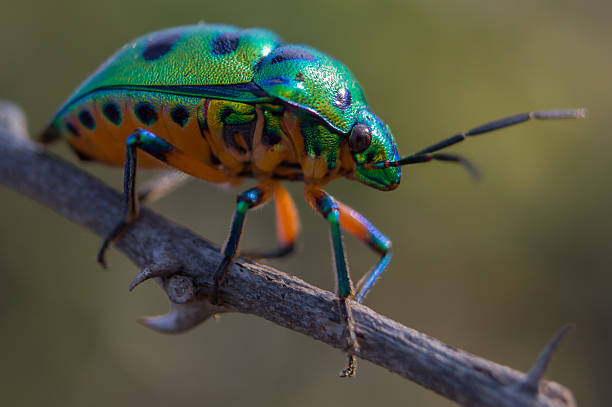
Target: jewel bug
224 104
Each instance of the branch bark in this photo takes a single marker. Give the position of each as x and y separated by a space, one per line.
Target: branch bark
184 263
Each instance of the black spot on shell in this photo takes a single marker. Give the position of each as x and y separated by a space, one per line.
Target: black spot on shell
289 52
180 115
225 43
87 119
72 129
160 45
112 113
146 113
342 99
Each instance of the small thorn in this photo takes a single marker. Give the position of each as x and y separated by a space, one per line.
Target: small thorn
534 376
162 269
181 317
141 277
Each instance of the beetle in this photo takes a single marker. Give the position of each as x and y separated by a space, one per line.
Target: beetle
224 104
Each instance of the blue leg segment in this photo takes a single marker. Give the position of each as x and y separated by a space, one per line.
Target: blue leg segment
328 208
323 203
245 201
358 226
149 142
369 279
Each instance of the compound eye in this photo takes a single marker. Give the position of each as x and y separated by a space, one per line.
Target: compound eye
360 139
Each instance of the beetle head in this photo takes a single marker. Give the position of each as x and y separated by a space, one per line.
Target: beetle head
371 141
314 82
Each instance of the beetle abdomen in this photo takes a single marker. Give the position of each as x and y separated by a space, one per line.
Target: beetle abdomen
239 138
97 126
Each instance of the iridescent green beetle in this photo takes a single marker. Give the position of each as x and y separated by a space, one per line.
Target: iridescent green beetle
224 104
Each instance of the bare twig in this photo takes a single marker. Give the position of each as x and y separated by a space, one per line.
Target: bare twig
186 277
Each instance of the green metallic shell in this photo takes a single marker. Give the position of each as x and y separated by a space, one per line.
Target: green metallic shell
309 79
198 56
224 62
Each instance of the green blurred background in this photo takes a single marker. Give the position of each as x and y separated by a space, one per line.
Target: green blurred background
494 268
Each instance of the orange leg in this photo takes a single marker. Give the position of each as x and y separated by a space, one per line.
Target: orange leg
287 226
358 226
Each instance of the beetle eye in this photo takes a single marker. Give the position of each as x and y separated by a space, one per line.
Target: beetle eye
360 139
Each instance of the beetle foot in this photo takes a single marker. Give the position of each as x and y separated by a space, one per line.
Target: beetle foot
351 367
164 268
352 348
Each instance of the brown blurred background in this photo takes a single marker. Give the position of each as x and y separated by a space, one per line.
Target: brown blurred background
494 268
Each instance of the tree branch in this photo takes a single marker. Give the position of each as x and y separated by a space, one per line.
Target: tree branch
184 263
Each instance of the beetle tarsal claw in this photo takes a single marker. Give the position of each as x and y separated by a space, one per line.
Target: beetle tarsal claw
181 317
162 269
351 367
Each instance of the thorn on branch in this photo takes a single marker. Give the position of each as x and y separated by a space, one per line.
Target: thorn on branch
534 376
187 308
163 268
182 317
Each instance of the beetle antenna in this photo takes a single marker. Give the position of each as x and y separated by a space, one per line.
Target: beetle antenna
426 155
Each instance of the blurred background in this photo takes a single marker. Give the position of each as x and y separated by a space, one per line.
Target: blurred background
495 268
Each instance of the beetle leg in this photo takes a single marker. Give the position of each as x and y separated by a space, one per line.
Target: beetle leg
248 199
358 226
130 206
163 151
323 203
287 226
